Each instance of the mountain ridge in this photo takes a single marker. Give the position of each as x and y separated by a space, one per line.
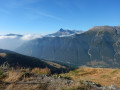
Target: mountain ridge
64 33
97 47
13 41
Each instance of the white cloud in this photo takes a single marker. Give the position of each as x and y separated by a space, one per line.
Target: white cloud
7 37
31 37
24 37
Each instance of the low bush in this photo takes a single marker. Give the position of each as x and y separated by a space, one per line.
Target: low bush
40 71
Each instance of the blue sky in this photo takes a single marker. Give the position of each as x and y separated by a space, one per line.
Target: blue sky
47 16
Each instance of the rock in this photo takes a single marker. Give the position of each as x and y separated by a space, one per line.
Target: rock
113 87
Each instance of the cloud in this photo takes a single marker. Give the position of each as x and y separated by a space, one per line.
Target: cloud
24 37
31 37
7 37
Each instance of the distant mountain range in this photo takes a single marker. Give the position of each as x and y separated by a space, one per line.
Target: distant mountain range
17 35
64 33
13 41
98 47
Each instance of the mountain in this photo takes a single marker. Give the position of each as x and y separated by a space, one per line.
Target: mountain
18 35
64 33
98 47
13 41
12 59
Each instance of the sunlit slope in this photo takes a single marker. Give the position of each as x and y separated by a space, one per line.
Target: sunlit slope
103 76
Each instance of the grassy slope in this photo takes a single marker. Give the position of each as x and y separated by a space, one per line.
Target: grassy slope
18 60
102 76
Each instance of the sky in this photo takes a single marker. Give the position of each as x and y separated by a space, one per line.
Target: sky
48 16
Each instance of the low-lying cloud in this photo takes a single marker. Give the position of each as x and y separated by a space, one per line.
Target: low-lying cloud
7 37
24 37
31 37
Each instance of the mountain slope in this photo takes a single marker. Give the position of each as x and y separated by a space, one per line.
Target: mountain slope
12 59
98 47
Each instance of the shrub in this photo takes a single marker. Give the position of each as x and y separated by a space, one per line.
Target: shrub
113 71
2 75
45 71
66 77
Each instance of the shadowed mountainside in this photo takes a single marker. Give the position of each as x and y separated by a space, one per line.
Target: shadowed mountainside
12 59
98 47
